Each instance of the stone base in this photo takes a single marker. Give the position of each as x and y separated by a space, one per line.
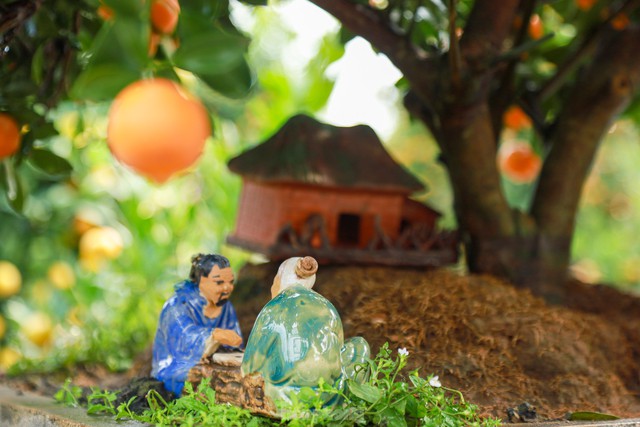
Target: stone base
223 369
21 409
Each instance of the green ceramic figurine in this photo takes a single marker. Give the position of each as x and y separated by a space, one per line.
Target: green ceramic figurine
298 338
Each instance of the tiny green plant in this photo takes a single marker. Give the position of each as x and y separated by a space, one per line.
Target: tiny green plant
68 394
386 397
197 407
101 402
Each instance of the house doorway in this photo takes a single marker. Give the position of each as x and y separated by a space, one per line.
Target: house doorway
349 229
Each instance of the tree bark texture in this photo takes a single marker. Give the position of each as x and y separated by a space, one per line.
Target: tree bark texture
460 99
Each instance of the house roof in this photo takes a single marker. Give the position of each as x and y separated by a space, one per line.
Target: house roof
310 152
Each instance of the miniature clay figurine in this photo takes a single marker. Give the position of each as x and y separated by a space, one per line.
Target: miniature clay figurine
298 338
195 321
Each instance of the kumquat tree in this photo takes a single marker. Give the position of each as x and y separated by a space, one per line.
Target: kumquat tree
150 80
475 71
106 107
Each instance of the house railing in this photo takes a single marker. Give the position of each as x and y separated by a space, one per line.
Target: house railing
417 245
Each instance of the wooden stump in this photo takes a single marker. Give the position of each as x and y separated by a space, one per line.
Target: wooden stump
223 370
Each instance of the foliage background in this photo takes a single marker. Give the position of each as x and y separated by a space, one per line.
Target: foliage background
108 313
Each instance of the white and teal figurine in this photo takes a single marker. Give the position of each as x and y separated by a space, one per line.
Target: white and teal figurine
298 338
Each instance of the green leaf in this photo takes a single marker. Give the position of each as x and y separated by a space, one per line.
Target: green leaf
234 84
393 419
44 131
49 163
591 416
255 2
165 70
400 406
133 36
124 42
37 65
207 9
19 89
417 381
413 408
126 8
365 392
211 53
102 82
192 22
346 35
13 187
306 395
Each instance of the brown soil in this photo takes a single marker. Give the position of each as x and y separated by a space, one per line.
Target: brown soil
499 345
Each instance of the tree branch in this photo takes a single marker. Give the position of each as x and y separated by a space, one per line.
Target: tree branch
488 25
412 24
361 20
455 61
504 94
605 89
68 56
13 16
585 49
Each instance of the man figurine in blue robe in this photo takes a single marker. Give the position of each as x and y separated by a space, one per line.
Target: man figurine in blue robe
195 321
298 338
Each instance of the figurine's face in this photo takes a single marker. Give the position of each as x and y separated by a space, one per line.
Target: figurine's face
218 285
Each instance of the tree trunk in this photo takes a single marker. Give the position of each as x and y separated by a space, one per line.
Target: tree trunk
461 94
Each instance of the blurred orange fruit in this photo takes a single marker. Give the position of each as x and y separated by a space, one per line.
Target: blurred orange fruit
105 12
518 162
516 119
40 292
38 329
8 357
156 128
82 225
10 279
585 5
98 245
164 15
9 135
536 30
620 21
74 316
61 275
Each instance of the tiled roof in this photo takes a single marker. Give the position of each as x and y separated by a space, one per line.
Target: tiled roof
307 151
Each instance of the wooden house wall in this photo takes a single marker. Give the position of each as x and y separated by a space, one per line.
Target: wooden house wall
265 208
415 212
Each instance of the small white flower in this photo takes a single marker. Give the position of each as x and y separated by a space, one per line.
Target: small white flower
435 382
403 351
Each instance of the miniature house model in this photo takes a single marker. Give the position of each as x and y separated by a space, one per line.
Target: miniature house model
336 194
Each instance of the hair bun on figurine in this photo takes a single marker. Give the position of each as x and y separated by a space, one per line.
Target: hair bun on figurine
306 267
297 271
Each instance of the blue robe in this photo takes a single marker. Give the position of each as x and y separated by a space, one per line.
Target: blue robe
182 332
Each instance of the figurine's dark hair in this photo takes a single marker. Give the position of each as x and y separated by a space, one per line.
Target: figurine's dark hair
202 264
